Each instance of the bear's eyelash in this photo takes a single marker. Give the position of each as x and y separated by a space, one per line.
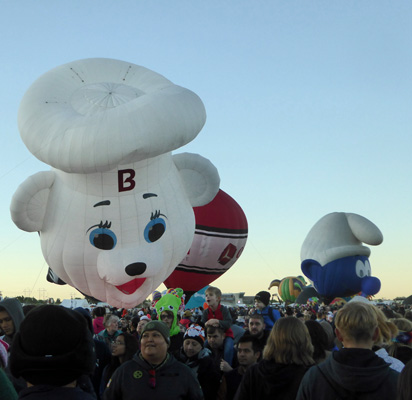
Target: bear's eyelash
156 214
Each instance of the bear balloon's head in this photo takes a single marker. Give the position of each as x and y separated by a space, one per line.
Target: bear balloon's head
115 213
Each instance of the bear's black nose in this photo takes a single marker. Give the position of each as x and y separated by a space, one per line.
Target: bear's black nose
135 269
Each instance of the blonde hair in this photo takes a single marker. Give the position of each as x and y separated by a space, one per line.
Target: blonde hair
289 343
387 330
402 324
357 321
214 290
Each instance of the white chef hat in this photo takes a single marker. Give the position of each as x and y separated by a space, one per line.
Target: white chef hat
339 235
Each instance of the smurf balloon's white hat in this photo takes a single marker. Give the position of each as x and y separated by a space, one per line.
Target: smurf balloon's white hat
339 235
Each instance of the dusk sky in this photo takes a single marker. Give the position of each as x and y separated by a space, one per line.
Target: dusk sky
308 112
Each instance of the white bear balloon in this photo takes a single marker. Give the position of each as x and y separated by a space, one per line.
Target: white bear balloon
115 212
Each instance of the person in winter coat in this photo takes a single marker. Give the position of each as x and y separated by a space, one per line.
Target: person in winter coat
167 308
51 351
102 357
195 356
319 340
270 315
11 315
286 358
123 349
111 331
153 373
387 332
248 353
218 316
98 319
7 391
355 371
405 383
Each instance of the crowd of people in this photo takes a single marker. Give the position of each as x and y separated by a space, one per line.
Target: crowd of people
314 351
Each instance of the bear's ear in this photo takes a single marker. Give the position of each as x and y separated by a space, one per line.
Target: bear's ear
200 178
29 202
309 268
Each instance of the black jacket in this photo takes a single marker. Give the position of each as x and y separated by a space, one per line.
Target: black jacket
173 381
44 392
359 373
203 366
269 380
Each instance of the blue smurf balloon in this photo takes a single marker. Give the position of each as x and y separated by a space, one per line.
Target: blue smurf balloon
334 258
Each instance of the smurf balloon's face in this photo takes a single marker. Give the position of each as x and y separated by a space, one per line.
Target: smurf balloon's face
119 247
342 277
334 257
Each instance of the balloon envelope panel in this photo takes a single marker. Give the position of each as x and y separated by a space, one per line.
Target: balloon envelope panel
220 237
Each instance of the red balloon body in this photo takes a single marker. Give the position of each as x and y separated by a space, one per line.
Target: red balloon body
220 237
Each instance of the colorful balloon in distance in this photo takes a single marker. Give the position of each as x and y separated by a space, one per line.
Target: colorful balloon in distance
198 299
220 237
289 288
339 301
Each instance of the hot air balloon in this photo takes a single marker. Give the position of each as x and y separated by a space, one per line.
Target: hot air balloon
334 258
289 288
115 212
220 237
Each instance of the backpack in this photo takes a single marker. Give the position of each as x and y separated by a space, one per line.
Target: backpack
270 314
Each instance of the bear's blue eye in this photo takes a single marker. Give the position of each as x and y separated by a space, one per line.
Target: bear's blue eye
154 230
103 238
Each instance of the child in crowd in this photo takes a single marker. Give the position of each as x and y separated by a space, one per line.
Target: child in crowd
219 316
270 315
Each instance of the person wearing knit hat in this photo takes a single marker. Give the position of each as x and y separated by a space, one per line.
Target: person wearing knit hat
158 326
264 297
194 333
153 373
270 315
195 356
52 349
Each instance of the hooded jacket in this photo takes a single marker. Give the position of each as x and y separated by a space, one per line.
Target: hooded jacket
207 375
44 392
15 310
270 380
172 380
359 373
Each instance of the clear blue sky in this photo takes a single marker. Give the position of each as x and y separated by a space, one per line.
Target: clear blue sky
308 104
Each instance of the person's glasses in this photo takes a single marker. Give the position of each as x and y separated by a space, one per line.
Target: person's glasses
166 316
117 343
152 378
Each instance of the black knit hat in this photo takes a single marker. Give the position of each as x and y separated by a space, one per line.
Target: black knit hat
159 326
53 347
264 297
